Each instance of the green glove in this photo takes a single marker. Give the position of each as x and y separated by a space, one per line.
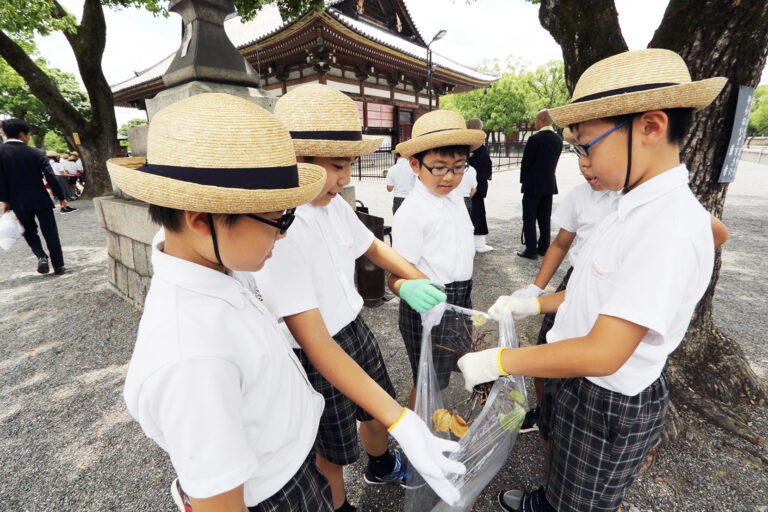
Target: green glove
422 294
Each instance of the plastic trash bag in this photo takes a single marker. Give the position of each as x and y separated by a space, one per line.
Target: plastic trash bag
493 426
10 230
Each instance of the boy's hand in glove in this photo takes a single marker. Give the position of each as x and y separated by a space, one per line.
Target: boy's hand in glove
506 306
422 294
425 454
529 291
479 367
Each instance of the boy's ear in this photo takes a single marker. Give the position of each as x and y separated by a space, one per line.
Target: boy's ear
197 222
415 165
653 126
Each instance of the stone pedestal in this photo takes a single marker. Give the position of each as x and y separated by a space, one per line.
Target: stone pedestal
129 245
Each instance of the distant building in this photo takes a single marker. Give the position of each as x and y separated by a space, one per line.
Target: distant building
371 51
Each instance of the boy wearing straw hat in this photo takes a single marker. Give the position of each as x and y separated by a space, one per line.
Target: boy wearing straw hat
433 230
630 299
212 379
310 284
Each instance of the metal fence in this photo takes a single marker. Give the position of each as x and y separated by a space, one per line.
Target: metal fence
373 167
505 155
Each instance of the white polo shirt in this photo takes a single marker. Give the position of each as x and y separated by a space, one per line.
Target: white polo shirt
435 234
58 169
468 182
213 381
401 177
313 267
580 211
648 262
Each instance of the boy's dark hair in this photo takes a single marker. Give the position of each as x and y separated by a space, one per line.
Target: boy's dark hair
460 150
680 121
13 127
171 219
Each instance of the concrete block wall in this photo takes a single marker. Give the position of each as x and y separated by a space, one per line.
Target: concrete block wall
129 250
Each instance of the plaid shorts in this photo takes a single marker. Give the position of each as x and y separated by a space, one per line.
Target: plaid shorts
598 441
337 435
396 202
443 334
307 491
549 319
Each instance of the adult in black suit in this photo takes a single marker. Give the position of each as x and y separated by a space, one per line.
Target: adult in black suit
21 189
537 174
481 161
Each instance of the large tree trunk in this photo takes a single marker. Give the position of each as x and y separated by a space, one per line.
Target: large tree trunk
715 38
98 135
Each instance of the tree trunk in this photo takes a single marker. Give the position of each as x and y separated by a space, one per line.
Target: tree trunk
715 38
98 135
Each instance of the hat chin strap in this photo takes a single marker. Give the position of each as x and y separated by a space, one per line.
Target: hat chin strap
629 157
215 242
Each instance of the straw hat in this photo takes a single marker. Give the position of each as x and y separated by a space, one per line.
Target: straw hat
51 154
636 81
437 129
324 122
218 153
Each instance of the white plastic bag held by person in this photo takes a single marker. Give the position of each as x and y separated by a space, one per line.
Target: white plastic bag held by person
10 230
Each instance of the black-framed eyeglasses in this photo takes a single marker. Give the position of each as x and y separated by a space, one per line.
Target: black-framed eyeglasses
442 171
283 223
583 149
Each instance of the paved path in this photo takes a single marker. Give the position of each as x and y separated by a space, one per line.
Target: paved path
67 443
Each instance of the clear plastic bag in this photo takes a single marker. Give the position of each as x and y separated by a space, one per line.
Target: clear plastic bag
10 230
492 431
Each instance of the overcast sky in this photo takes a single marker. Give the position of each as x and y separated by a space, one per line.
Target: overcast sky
486 29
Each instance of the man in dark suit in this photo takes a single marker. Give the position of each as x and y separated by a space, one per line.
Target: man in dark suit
21 189
537 174
481 161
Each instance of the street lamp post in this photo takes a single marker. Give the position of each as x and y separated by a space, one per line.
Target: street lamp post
440 34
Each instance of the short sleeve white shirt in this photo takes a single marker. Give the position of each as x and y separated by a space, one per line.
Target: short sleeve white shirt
69 167
580 212
78 165
648 262
313 267
401 177
215 384
58 169
435 234
468 182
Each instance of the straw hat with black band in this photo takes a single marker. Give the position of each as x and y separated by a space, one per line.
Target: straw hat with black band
634 82
324 122
217 153
51 154
437 129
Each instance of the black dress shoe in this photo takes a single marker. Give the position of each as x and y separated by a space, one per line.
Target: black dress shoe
59 270
42 265
526 254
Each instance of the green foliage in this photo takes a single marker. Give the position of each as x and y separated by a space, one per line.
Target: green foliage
131 124
515 98
55 142
758 118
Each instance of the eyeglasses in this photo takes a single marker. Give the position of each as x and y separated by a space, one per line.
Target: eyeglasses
442 171
583 149
283 223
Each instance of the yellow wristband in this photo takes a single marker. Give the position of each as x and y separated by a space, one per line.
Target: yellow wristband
498 361
539 303
402 415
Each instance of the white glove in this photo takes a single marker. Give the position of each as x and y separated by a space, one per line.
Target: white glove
479 367
529 291
516 307
425 454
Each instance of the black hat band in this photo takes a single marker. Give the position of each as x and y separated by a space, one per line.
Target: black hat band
254 178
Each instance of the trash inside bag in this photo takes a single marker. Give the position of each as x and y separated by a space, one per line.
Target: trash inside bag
485 422
10 230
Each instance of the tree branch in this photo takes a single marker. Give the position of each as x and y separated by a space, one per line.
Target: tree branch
40 84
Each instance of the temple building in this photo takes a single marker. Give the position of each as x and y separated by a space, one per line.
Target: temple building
370 50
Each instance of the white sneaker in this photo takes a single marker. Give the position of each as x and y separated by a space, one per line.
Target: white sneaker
484 248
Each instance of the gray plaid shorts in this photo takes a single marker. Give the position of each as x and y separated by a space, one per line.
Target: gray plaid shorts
337 435
450 332
307 491
598 441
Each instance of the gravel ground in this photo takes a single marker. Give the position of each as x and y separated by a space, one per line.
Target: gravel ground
67 442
